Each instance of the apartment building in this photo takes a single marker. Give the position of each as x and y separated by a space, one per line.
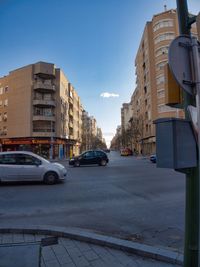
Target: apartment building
116 140
40 111
148 99
92 137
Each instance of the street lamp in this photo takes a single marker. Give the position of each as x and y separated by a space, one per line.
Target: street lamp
51 143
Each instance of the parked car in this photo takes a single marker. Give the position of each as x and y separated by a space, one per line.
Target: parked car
153 158
27 166
126 152
90 157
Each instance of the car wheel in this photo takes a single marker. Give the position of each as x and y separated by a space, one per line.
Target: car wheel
76 164
103 162
50 178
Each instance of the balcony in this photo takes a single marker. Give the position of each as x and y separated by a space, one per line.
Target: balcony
44 87
43 103
43 134
43 118
71 113
70 124
71 100
44 70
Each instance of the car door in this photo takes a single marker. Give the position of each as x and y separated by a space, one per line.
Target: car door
8 170
87 158
97 157
29 167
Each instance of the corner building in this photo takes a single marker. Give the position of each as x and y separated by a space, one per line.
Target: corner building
148 99
40 109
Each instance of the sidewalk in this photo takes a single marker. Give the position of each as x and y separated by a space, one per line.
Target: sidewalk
72 252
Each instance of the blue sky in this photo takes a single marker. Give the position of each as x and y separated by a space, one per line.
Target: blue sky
93 41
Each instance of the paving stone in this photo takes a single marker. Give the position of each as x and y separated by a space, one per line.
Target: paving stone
52 263
90 255
74 252
68 265
63 259
58 249
122 257
98 263
42 262
82 246
48 254
67 243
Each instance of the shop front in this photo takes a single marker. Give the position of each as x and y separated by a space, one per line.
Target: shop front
40 146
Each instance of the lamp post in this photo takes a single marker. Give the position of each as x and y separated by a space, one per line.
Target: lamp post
191 249
51 142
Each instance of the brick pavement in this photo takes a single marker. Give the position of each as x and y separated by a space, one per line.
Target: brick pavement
73 253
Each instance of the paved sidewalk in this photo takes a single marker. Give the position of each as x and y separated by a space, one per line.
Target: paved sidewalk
73 253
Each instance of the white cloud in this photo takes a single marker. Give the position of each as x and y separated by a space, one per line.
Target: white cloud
107 95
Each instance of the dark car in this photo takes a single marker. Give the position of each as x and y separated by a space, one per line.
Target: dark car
153 158
90 157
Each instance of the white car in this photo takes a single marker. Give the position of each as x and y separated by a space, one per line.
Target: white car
27 166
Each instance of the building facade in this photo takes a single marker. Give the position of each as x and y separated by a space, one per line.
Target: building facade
40 111
148 99
92 137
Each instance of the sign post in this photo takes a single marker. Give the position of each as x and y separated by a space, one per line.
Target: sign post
189 81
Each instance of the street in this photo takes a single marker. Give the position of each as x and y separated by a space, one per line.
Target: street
129 198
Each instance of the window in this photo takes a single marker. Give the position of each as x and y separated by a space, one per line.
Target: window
1 117
88 154
164 108
162 24
6 89
161 93
160 65
1 90
5 116
26 160
164 37
8 159
5 102
162 51
160 79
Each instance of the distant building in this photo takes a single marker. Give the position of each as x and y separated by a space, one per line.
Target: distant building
40 110
92 137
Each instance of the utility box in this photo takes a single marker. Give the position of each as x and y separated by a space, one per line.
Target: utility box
175 144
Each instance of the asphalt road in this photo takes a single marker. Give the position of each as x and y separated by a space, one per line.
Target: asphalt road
130 198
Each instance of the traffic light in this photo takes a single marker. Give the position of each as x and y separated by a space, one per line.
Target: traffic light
173 92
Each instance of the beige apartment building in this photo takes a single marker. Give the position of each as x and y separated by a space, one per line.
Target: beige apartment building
92 137
148 99
40 111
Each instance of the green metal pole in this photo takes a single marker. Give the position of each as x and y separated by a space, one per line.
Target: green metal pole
192 176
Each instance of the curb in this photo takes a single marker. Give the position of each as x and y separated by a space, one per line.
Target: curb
102 240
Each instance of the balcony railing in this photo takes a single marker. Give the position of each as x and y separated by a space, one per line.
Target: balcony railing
71 112
44 86
43 134
42 102
71 124
43 117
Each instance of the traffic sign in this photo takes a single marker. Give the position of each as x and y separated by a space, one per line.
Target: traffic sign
180 60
